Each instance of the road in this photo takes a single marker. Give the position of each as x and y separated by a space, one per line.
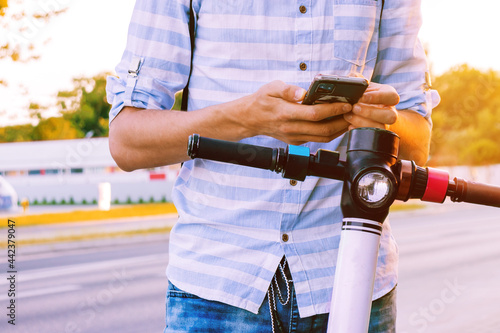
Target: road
100 289
449 278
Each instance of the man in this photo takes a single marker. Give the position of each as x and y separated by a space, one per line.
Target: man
246 239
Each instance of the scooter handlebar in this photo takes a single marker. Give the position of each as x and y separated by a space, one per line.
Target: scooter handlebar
293 163
427 184
434 185
461 190
232 152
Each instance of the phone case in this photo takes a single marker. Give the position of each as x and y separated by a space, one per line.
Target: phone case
332 89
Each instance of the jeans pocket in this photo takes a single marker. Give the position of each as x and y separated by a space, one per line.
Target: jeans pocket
356 30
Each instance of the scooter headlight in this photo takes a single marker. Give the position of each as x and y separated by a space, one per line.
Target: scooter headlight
374 189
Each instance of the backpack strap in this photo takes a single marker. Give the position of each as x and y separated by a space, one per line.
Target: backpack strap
185 91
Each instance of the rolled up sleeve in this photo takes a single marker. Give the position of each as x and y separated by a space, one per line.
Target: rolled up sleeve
401 58
156 61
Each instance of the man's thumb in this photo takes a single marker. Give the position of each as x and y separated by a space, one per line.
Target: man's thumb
299 94
293 93
288 92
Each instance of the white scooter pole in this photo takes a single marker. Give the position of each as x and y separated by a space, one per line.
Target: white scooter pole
354 276
369 190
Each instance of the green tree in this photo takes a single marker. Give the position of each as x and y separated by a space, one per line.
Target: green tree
85 107
20 25
466 123
55 128
84 111
16 133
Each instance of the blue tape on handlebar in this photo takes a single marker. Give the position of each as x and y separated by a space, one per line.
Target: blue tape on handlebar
298 150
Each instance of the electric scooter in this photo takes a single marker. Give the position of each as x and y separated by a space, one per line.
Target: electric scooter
373 179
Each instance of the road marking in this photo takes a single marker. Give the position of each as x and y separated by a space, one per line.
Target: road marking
43 273
43 291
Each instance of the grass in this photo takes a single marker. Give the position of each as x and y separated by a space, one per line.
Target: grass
93 215
399 206
86 237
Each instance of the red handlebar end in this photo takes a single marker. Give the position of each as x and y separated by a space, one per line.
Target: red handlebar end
437 185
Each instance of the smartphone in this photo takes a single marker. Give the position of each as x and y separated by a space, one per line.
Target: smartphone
332 88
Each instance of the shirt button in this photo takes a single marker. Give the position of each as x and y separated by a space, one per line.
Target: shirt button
303 9
293 182
303 66
284 238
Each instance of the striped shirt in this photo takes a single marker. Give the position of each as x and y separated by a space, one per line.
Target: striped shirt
229 237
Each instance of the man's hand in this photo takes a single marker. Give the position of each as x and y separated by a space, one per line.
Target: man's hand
147 138
376 108
274 110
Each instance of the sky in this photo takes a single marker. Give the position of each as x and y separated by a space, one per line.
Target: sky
461 31
90 37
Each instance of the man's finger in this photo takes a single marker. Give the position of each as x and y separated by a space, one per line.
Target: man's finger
379 113
285 91
380 94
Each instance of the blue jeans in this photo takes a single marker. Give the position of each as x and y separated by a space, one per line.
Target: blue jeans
186 312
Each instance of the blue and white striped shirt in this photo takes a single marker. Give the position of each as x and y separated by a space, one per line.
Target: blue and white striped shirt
228 241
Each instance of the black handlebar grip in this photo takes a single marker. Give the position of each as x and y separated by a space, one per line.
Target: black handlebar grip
232 152
476 193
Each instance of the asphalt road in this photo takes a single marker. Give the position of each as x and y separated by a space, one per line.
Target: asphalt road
101 289
449 278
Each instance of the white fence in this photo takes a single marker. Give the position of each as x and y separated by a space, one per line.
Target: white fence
138 186
70 171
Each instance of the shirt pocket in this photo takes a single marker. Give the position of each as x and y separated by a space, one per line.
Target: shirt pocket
356 24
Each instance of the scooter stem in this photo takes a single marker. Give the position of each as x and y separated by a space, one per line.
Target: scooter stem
369 152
